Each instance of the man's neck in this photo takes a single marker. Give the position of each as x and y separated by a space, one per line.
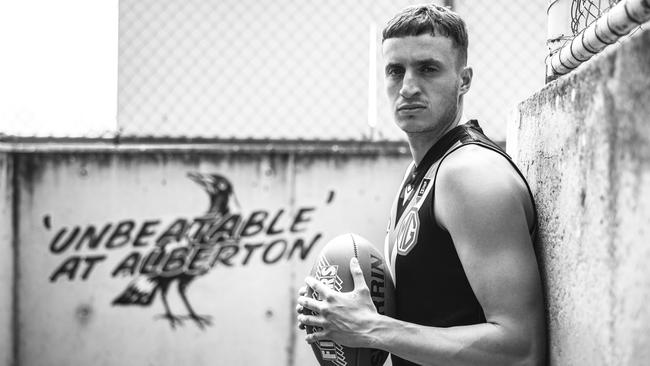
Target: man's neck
421 142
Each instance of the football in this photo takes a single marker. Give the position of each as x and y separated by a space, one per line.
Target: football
332 268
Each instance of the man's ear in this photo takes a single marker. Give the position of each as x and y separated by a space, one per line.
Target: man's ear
465 79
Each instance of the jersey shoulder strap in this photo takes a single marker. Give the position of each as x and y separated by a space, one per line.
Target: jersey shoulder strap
474 135
402 233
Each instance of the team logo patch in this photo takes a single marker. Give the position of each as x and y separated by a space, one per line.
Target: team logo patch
423 186
407 233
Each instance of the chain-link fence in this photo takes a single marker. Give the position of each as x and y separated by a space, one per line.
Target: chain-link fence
288 69
507 51
584 12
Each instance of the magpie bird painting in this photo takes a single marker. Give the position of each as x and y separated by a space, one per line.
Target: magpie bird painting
143 290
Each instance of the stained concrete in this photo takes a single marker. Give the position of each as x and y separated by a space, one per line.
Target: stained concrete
584 144
65 296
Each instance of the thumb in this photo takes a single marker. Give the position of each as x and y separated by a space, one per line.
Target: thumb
357 274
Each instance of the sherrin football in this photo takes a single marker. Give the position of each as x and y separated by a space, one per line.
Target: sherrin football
332 268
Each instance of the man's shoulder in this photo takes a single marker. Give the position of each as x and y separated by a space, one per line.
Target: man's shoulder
475 180
475 164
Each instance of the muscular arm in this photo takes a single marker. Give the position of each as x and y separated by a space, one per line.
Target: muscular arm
484 206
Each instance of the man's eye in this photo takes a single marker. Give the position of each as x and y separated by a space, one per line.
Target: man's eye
395 71
429 69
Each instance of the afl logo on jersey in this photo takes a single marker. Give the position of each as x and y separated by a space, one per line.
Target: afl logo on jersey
407 233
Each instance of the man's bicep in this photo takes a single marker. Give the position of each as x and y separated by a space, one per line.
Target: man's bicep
486 219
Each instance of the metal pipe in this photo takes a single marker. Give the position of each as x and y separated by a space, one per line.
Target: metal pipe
616 23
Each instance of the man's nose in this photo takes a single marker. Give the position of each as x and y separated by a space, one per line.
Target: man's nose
410 86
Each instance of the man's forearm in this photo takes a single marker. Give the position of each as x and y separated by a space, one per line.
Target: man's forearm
479 344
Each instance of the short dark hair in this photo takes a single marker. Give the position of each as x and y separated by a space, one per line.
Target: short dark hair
429 19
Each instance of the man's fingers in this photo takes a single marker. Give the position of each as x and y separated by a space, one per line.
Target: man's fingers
313 320
316 336
302 291
299 309
309 303
357 274
319 287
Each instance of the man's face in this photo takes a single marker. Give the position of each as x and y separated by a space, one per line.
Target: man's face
423 81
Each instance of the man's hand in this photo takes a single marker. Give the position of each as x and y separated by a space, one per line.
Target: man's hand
345 318
299 309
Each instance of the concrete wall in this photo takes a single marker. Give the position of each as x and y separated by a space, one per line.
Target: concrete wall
584 144
92 237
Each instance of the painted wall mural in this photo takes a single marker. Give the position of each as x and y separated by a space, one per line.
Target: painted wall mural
167 257
177 257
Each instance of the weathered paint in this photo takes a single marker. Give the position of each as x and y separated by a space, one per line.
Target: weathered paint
6 261
68 293
584 144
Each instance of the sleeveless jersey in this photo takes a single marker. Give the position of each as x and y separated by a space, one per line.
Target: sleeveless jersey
431 287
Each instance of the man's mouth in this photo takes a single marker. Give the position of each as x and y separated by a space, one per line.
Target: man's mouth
411 107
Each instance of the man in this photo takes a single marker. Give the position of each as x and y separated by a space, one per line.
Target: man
459 246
